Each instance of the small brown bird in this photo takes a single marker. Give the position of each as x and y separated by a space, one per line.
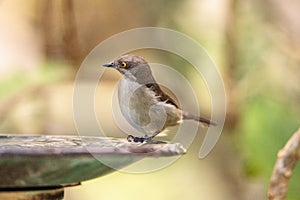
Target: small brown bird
142 101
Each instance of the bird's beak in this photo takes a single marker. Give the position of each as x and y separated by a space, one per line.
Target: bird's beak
111 64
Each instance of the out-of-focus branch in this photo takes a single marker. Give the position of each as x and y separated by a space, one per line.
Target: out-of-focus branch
230 63
72 48
59 31
286 161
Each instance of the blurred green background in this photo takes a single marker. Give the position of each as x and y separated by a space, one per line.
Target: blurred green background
255 44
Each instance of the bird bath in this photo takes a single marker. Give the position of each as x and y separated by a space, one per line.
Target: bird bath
39 167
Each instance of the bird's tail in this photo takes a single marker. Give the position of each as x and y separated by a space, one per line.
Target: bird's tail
206 122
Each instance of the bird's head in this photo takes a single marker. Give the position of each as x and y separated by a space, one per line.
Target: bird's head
133 67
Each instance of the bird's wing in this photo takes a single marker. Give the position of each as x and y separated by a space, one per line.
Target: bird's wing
160 94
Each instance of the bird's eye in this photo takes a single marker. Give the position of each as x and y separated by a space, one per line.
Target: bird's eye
123 64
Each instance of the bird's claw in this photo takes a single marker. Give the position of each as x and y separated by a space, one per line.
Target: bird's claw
135 139
145 139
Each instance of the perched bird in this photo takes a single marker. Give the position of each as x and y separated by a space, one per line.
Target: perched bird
142 101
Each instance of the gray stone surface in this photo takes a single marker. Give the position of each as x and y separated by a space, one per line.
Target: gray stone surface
35 161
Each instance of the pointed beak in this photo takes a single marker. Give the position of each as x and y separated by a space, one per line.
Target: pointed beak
111 64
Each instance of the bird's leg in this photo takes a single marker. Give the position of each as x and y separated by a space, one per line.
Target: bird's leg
149 139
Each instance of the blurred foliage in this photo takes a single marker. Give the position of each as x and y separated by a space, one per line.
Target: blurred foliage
270 111
48 73
24 97
265 127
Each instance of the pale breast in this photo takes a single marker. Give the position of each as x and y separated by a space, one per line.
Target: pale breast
141 108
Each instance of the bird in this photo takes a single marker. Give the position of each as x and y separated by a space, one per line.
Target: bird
142 101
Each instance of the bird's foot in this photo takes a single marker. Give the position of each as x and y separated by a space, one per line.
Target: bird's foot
146 139
135 139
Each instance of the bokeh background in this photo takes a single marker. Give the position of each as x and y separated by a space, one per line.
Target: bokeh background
255 44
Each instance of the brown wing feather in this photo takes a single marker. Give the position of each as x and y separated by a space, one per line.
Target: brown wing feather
160 94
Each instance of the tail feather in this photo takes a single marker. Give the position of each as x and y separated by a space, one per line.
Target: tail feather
188 116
